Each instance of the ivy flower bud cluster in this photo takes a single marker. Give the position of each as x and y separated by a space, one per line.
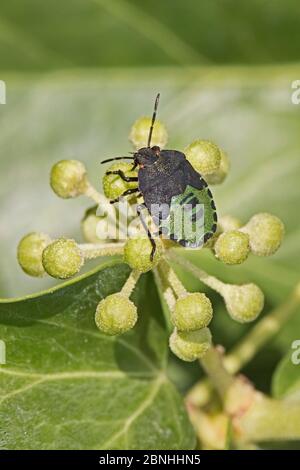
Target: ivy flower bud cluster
262 235
140 130
189 313
190 345
191 338
113 185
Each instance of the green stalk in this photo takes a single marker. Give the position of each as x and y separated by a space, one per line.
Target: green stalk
213 365
261 333
271 420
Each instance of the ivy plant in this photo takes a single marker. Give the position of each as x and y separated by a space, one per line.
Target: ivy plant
102 360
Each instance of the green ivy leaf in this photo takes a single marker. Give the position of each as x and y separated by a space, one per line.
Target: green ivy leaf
67 386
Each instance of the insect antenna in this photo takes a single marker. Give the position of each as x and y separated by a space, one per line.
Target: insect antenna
153 119
116 158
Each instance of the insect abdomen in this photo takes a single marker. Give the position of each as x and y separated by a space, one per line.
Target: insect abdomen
192 219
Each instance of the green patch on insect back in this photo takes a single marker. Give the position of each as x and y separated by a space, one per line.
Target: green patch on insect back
192 218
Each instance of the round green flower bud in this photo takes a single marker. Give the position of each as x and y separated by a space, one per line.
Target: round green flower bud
190 345
225 224
113 185
137 253
140 131
228 222
89 225
30 250
116 314
93 225
232 247
68 178
219 175
192 312
266 232
62 258
244 303
205 156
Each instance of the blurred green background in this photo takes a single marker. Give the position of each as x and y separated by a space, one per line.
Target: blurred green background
78 73
122 33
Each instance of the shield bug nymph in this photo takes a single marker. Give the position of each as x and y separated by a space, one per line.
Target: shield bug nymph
166 178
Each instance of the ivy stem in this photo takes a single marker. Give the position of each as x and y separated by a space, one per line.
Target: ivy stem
172 279
207 279
93 194
212 431
212 362
165 288
130 284
167 294
270 420
261 333
214 367
248 347
96 250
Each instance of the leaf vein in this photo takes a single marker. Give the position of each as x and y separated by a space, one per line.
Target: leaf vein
139 410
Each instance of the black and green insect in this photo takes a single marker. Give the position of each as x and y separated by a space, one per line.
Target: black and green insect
167 180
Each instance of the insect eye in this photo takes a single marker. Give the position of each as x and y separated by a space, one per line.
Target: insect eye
156 149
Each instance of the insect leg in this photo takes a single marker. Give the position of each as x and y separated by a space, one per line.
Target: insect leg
139 212
126 193
134 166
122 175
